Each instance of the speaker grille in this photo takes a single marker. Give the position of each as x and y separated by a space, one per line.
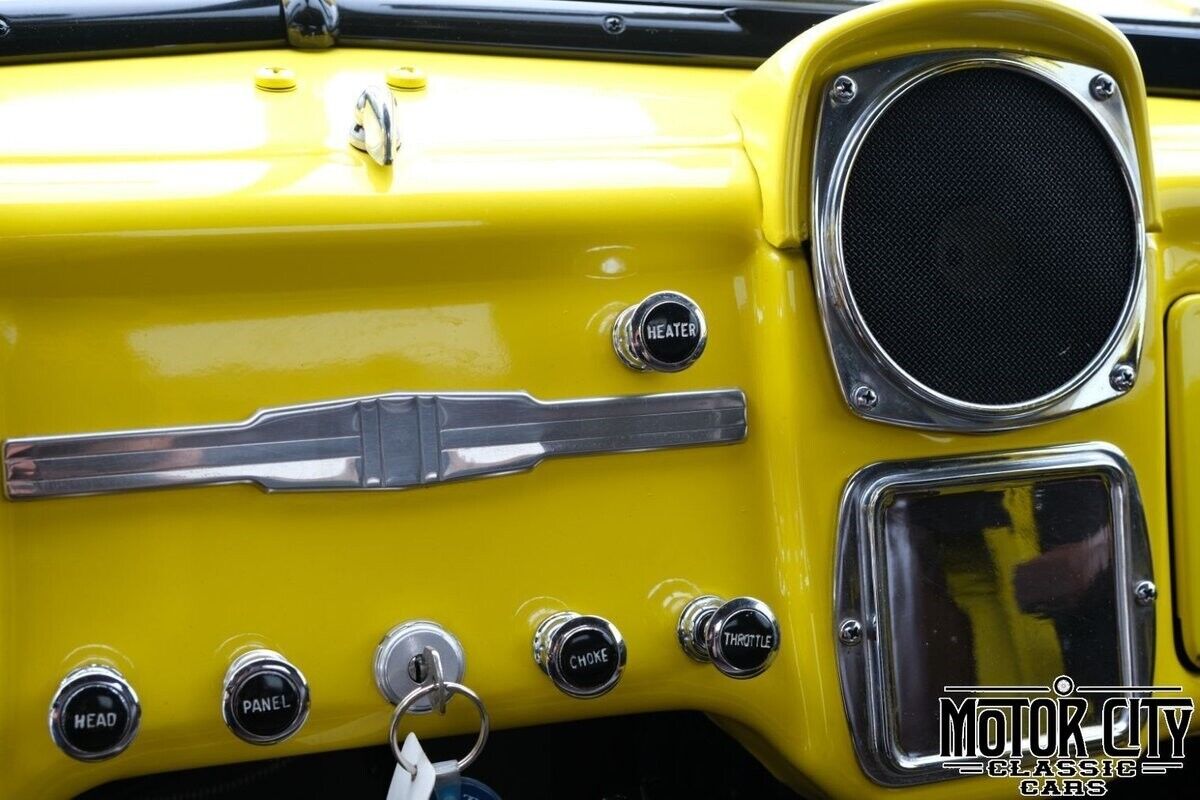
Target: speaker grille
989 236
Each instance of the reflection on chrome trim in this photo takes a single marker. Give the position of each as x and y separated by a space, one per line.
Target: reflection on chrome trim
385 442
1030 559
858 359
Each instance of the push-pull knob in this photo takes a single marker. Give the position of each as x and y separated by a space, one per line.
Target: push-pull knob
265 699
94 714
583 655
740 636
665 332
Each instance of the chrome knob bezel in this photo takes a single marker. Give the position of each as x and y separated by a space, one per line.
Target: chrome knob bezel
552 636
85 678
249 665
703 621
628 334
693 627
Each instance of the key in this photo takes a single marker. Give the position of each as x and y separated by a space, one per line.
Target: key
415 777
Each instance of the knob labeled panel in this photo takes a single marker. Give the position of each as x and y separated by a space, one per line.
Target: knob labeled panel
583 655
265 699
95 714
666 332
740 637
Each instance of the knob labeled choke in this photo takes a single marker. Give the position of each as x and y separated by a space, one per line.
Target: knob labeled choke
665 332
740 636
583 655
95 714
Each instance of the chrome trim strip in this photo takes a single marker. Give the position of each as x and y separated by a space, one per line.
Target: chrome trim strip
861 363
383 442
868 682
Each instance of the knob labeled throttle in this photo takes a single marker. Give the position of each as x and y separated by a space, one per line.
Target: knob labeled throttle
740 636
583 655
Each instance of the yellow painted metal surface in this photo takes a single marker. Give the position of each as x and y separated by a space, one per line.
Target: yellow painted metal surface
1176 126
191 248
1183 370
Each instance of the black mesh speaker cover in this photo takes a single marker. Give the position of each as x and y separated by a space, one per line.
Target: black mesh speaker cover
988 235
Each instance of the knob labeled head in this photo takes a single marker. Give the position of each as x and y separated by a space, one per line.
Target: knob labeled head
666 332
265 699
583 655
95 714
740 637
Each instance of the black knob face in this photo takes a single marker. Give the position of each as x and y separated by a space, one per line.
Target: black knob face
743 637
94 715
747 641
583 655
666 332
266 698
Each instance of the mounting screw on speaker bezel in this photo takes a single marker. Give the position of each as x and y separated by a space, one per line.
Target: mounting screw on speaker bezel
843 90
1122 378
865 398
858 358
1102 87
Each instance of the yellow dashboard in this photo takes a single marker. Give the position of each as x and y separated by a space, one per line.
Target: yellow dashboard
182 247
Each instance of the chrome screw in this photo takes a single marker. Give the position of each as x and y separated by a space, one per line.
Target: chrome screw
851 632
1145 593
1122 377
844 89
865 398
4 27
614 24
1102 87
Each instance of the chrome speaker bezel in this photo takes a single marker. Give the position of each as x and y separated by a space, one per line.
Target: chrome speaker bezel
873 384
868 684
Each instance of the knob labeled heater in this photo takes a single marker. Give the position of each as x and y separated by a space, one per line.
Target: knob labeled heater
95 714
666 332
740 637
583 655
265 699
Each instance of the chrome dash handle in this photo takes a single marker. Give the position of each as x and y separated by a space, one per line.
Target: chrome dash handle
385 442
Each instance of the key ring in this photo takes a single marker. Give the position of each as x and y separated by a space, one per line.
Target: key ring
450 688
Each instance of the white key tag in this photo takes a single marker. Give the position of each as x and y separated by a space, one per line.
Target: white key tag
415 785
